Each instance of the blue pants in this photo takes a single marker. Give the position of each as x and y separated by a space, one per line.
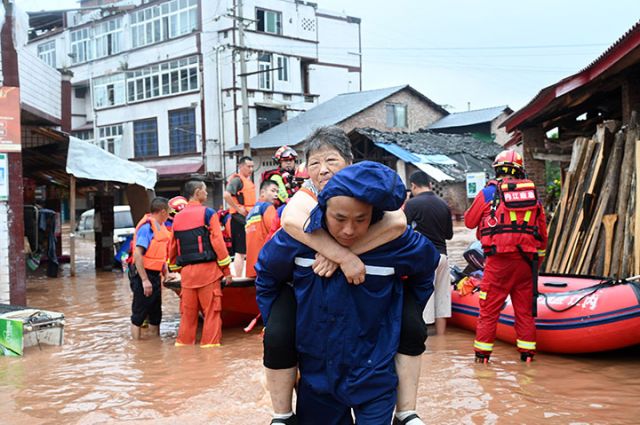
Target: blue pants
323 409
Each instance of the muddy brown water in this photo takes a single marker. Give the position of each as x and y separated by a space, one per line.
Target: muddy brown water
100 376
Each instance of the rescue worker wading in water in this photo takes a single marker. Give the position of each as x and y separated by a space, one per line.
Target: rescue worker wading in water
198 247
513 232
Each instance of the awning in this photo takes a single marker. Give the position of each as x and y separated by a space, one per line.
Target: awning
178 169
417 160
433 172
87 161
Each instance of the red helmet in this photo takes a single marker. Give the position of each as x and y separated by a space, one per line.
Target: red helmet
285 152
177 204
509 160
301 172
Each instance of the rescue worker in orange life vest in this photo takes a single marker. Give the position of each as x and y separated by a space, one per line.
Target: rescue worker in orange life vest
259 222
512 229
198 247
284 174
151 241
240 195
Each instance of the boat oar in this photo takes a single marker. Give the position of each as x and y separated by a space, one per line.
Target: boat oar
252 323
609 221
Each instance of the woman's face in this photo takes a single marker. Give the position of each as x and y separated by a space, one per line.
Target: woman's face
323 164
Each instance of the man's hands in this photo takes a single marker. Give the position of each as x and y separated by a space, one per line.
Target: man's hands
146 286
352 267
227 280
242 210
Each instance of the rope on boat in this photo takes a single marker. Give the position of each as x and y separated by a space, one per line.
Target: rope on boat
596 288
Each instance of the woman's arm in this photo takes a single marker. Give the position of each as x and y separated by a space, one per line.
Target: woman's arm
294 218
392 226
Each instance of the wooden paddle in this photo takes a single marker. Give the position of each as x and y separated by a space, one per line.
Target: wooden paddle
609 222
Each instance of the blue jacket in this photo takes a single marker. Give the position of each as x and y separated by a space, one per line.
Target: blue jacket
347 335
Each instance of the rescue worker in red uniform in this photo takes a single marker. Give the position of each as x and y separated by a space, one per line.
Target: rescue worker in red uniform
240 195
512 229
198 247
284 175
259 222
150 249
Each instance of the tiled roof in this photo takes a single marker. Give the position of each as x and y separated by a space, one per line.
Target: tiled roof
469 153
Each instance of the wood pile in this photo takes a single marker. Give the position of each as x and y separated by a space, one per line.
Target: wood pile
595 229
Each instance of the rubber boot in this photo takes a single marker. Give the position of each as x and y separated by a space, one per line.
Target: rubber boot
482 358
526 357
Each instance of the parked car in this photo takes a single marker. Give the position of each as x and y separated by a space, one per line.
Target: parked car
122 224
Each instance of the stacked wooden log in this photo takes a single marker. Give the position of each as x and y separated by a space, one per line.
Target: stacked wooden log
595 229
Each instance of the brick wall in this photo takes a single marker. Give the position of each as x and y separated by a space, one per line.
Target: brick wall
419 114
532 140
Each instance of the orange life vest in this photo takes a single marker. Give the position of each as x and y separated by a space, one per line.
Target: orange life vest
511 224
192 235
245 196
155 257
256 230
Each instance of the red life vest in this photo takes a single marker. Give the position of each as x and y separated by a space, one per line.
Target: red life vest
511 224
245 196
155 257
192 236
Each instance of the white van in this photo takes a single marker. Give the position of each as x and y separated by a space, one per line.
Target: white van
122 224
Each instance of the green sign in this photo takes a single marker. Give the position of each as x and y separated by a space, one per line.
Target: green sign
10 337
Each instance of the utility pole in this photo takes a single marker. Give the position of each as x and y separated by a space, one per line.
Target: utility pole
246 150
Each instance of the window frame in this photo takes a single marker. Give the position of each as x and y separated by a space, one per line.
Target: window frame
393 116
282 63
82 49
109 138
182 136
163 79
264 22
108 38
163 22
149 150
265 80
103 85
47 52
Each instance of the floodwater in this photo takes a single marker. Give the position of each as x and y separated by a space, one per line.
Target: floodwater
100 376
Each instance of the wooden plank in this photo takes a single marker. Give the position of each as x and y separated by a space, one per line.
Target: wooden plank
636 241
555 227
623 196
580 150
544 156
576 209
609 222
610 181
627 247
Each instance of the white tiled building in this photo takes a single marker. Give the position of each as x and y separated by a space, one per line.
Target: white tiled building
159 81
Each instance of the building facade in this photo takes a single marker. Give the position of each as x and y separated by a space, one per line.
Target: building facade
158 82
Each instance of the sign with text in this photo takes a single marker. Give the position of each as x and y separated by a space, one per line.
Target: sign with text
4 177
475 183
10 119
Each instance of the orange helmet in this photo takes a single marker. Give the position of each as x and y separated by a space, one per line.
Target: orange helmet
508 162
301 172
177 204
285 152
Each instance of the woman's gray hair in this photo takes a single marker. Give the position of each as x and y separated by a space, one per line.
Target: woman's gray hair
332 137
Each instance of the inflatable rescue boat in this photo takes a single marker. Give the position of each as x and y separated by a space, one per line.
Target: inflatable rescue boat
576 314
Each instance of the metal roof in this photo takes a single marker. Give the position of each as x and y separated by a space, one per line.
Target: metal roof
608 61
331 112
478 116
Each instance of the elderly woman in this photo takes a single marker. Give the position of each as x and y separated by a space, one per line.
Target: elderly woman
347 335
327 151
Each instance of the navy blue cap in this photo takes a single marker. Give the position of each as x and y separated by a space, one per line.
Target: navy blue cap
367 181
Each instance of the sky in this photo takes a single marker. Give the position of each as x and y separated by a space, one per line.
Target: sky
472 54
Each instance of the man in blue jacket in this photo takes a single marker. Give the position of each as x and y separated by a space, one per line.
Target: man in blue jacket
347 335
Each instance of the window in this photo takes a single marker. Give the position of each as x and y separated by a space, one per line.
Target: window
145 138
283 68
109 138
109 91
269 21
83 134
182 131
396 115
268 117
264 68
81 46
168 20
47 53
108 37
177 76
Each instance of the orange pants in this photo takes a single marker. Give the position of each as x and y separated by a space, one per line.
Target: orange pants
193 300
